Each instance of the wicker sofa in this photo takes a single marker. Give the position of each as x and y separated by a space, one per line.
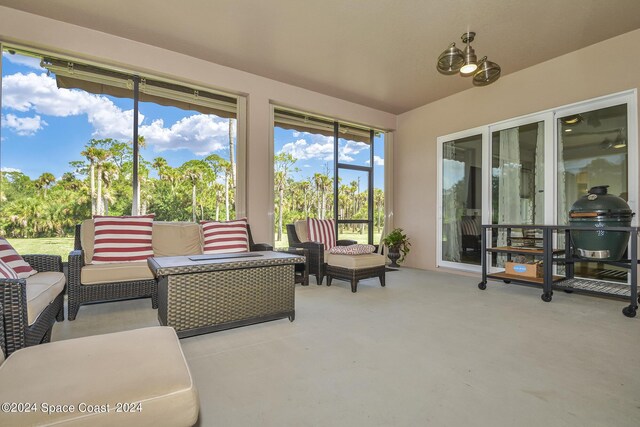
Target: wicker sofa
298 235
31 306
90 283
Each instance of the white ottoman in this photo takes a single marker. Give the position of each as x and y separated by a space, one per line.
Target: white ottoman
132 378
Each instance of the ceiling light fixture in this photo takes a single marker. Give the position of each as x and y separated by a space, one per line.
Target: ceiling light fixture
453 60
620 141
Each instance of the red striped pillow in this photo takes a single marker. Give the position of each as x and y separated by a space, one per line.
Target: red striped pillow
10 257
122 238
323 231
7 272
225 237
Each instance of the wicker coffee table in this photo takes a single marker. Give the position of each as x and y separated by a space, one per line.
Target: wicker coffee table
206 293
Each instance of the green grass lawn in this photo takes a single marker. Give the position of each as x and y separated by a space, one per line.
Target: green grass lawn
63 245
49 245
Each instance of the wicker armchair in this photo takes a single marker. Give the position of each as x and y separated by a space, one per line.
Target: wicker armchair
78 294
317 265
13 298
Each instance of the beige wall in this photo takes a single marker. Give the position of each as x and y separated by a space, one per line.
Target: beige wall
35 31
591 72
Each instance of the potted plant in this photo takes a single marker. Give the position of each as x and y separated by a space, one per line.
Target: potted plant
398 244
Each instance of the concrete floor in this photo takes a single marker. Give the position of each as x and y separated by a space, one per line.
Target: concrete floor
429 349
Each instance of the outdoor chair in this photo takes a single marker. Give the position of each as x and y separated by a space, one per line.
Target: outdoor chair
298 236
31 306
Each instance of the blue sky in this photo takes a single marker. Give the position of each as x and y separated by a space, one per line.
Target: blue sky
44 128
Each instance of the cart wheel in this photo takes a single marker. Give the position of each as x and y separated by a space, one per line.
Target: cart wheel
568 291
292 317
629 311
546 297
482 285
507 281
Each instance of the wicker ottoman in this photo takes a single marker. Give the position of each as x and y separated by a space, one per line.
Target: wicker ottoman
355 267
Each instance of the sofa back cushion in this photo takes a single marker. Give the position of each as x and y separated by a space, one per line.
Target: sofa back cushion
86 239
302 230
14 261
225 237
323 231
176 238
122 238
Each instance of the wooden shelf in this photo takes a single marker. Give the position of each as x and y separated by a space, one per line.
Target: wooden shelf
519 250
505 276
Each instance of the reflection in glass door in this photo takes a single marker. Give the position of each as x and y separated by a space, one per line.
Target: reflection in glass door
592 151
462 200
517 178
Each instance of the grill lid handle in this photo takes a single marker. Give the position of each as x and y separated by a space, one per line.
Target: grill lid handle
599 190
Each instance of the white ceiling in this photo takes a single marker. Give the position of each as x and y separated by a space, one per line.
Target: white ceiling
379 53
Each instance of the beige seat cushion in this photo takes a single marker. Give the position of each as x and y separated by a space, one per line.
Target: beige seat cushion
93 274
42 289
302 230
355 262
176 238
144 365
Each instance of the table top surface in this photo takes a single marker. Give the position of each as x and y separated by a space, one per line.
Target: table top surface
204 263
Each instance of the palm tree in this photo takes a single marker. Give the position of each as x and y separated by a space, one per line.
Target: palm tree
232 154
282 165
323 185
108 175
44 182
101 156
90 153
193 171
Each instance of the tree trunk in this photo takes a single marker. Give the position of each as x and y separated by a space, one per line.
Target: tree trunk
93 188
193 202
226 188
99 209
217 205
106 204
324 204
280 213
232 154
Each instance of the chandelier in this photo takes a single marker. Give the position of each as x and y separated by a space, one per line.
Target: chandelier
454 60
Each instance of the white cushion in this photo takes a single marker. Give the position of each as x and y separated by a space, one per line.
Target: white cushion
144 365
357 249
7 272
323 231
355 262
15 261
225 237
122 238
42 289
93 274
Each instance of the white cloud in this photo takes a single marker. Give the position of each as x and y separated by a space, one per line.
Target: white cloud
27 61
314 146
377 161
8 170
199 133
202 134
23 126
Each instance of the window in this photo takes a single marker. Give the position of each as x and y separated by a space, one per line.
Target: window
310 181
72 146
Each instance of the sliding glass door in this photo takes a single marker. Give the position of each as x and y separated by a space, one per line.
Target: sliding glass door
461 200
593 150
530 170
